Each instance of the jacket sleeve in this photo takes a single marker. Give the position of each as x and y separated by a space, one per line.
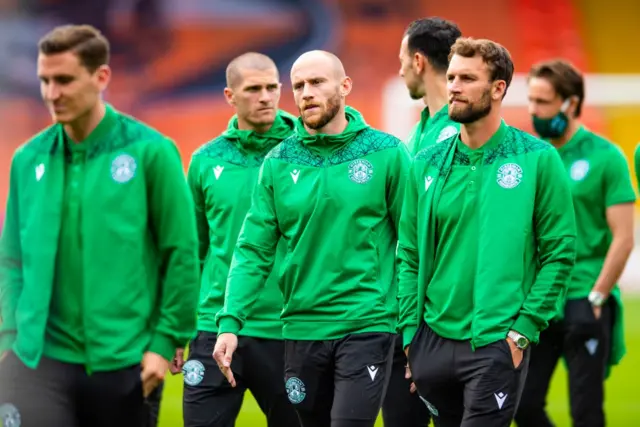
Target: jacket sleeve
408 261
173 227
253 257
396 187
555 231
11 280
202 224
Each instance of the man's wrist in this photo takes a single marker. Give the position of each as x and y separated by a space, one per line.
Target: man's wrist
518 339
597 298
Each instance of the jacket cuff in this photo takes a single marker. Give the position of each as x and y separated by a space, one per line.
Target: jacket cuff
229 325
407 335
524 325
163 345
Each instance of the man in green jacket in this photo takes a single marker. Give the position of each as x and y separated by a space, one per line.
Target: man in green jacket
487 243
222 175
98 257
333 192
588 329
424 58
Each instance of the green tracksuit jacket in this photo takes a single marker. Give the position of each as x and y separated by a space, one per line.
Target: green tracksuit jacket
222 176
121 277
520 210
336 200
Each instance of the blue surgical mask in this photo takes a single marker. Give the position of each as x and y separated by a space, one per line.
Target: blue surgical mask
553 127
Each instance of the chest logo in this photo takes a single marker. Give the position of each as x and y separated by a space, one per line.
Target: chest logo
360 171
123 168
509 175
427 182
217 171
579 170
39 171
294 175
447 133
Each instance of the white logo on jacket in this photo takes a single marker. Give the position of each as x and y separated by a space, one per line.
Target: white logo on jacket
579 170
123 168
217 171
447 133
509 175
360 171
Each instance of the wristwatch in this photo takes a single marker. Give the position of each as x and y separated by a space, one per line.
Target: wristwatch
596 298
520 340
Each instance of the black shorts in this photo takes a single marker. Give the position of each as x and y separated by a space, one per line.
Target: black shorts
58 394
401 408
466 388
258 365
339 383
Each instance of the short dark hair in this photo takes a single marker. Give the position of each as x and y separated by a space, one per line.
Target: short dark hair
496 56
433 37
87 42
565 78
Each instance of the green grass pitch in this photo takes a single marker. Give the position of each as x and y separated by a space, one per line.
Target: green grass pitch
621 390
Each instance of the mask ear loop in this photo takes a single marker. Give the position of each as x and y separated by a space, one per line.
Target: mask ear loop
565 105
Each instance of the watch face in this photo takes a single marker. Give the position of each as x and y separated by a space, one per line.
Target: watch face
522 342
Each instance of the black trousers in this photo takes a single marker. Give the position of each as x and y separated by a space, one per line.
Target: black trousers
152 403
585 343
258 365
339 383
465 388
59 394
400 407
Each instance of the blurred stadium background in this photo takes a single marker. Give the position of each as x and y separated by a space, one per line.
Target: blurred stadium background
169 58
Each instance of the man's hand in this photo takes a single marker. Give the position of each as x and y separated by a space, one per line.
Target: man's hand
178 362
154 368
407 372
226 345
597 311
516 353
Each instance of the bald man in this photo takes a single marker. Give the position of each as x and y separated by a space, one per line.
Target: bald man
222 176
333 192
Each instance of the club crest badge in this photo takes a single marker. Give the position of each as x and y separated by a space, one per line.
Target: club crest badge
123 168
193 372
295 390
360 171
579 170
509 175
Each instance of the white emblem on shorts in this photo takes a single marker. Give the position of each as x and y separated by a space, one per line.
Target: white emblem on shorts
360 171
447 133
579 170
193 372
9 416
509 175
500 398
430 407
123 168
373 370
295 390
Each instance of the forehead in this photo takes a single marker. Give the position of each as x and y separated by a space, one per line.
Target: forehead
404 45
312 69
254 77
462 65
59 63
541 88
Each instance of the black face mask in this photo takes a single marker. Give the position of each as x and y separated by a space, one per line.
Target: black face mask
552 127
